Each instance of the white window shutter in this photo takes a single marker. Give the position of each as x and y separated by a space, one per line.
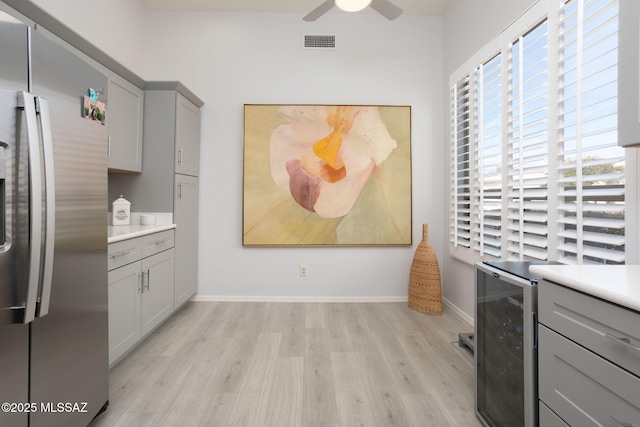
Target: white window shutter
487 188
591 165
460 204
528 140
536 172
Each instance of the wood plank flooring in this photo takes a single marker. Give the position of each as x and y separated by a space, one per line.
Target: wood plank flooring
296 364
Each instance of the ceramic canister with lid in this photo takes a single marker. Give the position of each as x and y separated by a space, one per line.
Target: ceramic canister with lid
121 211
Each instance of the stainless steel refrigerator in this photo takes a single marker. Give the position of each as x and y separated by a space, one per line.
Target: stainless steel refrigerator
53 242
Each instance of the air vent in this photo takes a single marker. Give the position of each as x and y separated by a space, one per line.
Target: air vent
319 41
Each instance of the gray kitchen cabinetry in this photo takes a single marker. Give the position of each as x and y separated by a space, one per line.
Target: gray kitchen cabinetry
186 215
172 130
169 181
588 360
124 119
141 289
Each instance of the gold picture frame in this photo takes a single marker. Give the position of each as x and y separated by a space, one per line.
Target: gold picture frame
327 175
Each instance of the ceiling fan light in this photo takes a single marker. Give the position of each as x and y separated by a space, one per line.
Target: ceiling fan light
352 5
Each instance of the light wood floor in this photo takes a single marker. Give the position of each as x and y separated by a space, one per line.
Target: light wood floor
296 364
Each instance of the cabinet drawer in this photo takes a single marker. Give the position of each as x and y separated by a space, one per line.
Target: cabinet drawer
157 242
547 418
124 252
582 388
598 325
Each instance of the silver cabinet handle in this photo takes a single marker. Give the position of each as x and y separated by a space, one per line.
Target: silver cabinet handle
148 280
624 340
161 242
621 423
120 254
180 156
179 191
50 205
26 101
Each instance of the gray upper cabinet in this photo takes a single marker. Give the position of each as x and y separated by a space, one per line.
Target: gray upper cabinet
187 136
124 118
175 117
629 74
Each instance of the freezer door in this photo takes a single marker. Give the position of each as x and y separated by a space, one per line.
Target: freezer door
14 350
69 345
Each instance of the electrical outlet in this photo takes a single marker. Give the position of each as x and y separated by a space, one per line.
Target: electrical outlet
303 271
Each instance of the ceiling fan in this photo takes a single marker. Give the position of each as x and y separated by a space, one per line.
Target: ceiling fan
383 7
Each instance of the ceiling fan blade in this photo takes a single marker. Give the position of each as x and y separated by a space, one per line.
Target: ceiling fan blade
319 11
386 9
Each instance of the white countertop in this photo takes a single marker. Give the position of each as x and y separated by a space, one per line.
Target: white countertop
116 233
619 284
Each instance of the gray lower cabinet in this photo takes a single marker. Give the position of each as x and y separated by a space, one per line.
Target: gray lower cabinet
141 289
124 119
588 360
124 309
157 289
186 216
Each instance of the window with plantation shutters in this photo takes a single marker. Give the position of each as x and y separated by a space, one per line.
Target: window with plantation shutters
536 172
487 188
460 230
590 164
527 146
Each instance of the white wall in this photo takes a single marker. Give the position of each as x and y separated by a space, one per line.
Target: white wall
116 26
232 59
468 26
229 59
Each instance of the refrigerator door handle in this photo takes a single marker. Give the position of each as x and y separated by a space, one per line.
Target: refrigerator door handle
26 101
42 105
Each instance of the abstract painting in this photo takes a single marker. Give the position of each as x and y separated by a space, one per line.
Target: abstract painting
327 175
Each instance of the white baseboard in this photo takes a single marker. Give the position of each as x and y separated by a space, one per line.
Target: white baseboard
457 309
227 298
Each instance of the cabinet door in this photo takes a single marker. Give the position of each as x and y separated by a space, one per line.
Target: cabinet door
157 289
187 137
629 74
124 309
186 243
124 118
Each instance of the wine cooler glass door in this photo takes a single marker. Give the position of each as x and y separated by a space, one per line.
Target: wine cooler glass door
505 356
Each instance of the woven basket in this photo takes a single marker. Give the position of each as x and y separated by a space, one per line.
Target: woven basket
425 291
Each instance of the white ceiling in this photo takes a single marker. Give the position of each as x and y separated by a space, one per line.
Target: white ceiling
410 7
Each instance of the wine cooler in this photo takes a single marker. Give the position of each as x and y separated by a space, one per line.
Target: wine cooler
506 344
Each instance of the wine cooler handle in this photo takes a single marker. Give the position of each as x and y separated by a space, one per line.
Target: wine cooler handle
534 326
